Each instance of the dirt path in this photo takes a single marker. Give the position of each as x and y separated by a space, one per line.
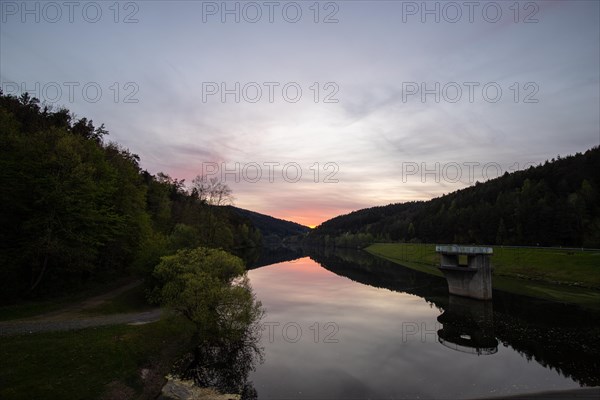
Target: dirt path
40 325
74 310
71 317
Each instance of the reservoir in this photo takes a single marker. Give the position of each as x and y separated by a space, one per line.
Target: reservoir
346 324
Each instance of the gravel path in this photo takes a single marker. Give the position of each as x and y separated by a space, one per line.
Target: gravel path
73 311
71 317
32 326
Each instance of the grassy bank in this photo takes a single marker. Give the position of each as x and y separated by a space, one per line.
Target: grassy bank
554 274
119 361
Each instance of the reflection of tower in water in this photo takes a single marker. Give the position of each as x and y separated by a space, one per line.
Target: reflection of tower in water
468 326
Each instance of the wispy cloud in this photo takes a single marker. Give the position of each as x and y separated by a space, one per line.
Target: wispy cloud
372 131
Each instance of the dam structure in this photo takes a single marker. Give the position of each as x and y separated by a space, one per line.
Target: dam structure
472 280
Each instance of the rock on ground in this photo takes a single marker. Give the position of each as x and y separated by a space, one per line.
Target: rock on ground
178 389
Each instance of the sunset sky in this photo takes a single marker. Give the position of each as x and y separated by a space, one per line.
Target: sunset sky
394 105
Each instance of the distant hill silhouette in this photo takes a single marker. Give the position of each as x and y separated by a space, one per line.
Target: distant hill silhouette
272 229
554 204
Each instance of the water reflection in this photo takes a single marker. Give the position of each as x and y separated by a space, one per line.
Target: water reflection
272 255
224 356
468 326
558 336
224 364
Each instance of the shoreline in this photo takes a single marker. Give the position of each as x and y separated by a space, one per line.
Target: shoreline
580 295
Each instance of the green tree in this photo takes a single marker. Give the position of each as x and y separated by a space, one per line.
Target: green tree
209 287
411 231
501 234
62 201
75 209
183 237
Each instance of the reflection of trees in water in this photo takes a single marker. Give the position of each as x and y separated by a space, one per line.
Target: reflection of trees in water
224 356
273 255
210 288
364 268
572 351
224 364
558 336
227 349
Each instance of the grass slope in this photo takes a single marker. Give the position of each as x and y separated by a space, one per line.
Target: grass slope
92 363
553 274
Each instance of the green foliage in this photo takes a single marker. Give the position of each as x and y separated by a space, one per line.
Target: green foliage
153 245
358 240
74 208
183 236
208 287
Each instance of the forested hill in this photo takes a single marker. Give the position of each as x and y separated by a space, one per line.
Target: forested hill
271 226
76 208
554 204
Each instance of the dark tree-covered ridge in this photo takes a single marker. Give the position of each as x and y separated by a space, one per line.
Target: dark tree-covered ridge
75 208
554 204
271 227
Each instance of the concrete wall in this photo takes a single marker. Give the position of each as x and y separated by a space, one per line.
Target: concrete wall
473 281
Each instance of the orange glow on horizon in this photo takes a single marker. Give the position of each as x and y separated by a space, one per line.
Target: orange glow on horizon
309 217
303 214
305 266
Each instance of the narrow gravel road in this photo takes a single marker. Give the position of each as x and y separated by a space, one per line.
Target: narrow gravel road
71 318
32 326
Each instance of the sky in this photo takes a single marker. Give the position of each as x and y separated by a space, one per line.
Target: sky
308 109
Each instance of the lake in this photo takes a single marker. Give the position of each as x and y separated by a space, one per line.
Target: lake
348 325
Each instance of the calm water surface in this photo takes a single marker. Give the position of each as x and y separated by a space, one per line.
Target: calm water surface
353 326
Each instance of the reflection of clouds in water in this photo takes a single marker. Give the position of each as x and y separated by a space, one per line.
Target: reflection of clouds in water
371 358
